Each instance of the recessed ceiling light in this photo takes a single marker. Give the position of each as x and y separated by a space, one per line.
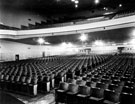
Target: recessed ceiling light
76 5
76 1
120 5
105 8
72 0
96 1
83 37
40 41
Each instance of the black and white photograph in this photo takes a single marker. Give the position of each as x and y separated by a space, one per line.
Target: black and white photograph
67 51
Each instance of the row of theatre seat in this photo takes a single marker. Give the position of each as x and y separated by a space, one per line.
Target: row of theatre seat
110 83
39 75
98 93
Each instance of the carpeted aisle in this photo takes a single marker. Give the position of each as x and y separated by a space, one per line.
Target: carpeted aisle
11 98
8 99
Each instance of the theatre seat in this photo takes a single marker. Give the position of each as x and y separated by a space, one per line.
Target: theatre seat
71 81
71 93
102 85
32 87
111 97
107 81
2 81
127 89
97 95
91 84
46 84
60 93
116 88
80 82
127 98
81 97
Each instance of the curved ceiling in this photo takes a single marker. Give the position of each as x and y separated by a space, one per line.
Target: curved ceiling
56 7
51 7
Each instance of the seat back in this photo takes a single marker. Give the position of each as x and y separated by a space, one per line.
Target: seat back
102 85
28 80
118 82
127 89
112 96
63 86
71 81
95 79
116 88
130 84
84 90
126 98
73 88
1 76
97 92
46 79
80 82
107 81
91 84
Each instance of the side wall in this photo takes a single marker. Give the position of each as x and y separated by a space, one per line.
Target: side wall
9 49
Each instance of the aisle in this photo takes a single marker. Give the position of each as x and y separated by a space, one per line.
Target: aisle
8 99
11 98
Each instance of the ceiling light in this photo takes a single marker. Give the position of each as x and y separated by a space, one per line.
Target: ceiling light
99 43
76 5
125 43
40 41
69 45
96 1
120 5
63 44
46 42
113 44
133 34
106 9
132 41
83 37
72 0
76 1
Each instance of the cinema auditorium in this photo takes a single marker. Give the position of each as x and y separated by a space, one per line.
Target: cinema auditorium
67 51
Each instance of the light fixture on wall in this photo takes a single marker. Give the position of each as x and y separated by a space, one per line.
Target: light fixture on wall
40 41
83 37
99 43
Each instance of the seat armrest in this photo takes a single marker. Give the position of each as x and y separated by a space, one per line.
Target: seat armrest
97 99
80 95
61 91
72 93
109 102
